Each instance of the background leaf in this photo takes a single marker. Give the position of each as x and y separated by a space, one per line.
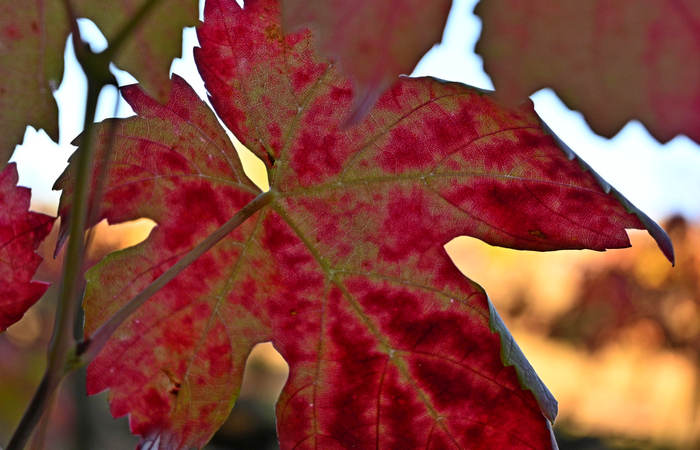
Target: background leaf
150 48
21 232
613 60
32 38
345 271
373 41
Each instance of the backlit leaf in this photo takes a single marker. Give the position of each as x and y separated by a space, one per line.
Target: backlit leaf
150 48
374 41
613 60
21 232
388 344
32 38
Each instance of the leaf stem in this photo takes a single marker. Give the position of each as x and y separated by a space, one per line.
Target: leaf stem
88 349
71 284
34 411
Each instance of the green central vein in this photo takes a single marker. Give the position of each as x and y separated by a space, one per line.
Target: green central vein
423 177
294 126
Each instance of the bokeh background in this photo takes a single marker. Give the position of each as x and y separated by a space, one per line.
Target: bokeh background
615 335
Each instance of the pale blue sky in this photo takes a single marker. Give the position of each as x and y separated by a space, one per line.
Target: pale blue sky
660 179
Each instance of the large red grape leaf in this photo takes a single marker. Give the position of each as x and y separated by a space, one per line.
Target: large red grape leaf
373 41
21 232
32 38
344 271
613 60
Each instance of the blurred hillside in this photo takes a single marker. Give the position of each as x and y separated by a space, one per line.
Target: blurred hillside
615 335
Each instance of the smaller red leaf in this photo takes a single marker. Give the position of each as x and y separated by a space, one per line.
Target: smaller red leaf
21 232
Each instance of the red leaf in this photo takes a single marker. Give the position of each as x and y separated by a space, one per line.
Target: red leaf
373 41
614 61
21 232
344 271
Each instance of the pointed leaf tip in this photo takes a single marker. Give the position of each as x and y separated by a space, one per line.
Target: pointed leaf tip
660 236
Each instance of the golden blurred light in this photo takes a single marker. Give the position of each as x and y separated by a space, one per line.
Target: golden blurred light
622 389
27 331
253 167
265 374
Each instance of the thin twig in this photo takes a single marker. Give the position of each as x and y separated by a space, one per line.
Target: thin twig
38 439
62 339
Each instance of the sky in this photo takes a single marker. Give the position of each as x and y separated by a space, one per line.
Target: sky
660 179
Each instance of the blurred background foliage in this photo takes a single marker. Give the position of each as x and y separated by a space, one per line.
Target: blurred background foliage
615 336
